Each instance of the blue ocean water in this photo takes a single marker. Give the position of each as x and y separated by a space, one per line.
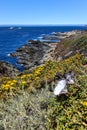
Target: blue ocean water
11 39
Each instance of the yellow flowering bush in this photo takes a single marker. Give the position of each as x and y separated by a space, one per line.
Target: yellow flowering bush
8 84
70 113
43 74
85 103
63 113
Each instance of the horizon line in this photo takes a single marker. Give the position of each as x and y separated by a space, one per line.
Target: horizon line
43 24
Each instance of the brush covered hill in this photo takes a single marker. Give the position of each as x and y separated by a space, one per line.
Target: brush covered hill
70 46
27 102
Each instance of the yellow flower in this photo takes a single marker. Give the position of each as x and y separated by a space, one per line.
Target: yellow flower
37 78
6 87
29 75
85 103
23 82
23 76
9 82
14 81
3 85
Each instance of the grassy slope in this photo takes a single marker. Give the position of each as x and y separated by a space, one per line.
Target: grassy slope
73 45
70 113
25 111
39 110
29 108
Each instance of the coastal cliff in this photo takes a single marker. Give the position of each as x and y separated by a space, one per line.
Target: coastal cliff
36 53
27 100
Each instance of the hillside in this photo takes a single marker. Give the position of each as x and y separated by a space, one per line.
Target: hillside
71 45
27 102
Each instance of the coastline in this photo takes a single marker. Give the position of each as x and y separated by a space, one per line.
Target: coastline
30 93
36 53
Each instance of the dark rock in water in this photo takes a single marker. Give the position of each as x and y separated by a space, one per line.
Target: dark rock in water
33 41
7 69
32 54
51 37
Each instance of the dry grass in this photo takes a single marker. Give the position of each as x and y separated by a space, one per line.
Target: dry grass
26 111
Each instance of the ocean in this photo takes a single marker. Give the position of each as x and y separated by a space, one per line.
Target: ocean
13 38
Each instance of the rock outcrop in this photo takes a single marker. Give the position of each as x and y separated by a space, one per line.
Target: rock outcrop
37 52
7 69
33 54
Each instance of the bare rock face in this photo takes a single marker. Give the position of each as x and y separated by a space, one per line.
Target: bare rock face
7 69
32 54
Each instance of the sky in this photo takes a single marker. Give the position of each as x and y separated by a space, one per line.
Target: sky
43 12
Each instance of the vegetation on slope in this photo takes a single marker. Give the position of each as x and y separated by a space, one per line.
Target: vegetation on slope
71 46
41 75
28 104
70 113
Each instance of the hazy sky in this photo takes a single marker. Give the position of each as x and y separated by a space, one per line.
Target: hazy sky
43 12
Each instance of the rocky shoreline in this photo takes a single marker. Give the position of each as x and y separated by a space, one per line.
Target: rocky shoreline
34 54
37 52
8 70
